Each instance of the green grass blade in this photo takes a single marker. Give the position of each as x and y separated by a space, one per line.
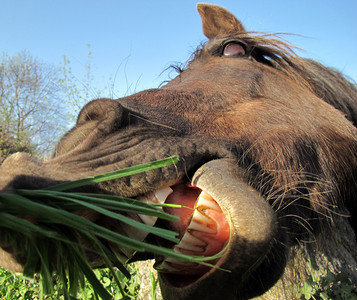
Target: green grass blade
79 223
115 174
114 260
86 269
31 261
163 233
104 201
23 226
52 240
82 225
109 264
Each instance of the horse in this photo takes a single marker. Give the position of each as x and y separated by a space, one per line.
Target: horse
267 147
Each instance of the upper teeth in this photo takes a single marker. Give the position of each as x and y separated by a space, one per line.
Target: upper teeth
158 196
201 223
195 239
205 200
162 194
191 243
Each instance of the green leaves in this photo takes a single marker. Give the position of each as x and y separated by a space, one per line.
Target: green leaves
326 285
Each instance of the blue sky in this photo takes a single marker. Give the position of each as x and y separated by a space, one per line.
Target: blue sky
137 40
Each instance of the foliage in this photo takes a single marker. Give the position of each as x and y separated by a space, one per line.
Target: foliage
325 285
14 286
39 102
30 111
77 91
9 145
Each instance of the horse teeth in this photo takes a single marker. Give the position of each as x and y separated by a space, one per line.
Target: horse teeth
134 233
189 247
162 194
148 220
173 265
207 201
202 223
199 227
188 238
200 217
158 196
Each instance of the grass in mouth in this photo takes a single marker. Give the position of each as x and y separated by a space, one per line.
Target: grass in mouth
54 241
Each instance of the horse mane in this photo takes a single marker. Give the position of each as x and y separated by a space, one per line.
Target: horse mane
326 83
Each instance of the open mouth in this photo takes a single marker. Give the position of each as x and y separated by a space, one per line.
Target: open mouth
218 207
208 221
202 228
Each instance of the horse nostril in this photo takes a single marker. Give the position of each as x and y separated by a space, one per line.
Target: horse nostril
96 120
105 111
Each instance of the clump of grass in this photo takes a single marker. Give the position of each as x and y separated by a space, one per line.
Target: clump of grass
54 239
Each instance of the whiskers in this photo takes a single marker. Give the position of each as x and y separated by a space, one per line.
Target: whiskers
152 122
302 201
299 188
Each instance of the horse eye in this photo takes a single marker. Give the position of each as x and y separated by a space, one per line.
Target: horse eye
233 49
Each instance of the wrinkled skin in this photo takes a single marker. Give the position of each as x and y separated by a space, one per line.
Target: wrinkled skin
291 152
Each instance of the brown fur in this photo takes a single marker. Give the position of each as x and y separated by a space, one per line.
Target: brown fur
287 121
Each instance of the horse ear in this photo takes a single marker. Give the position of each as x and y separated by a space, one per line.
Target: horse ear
216 20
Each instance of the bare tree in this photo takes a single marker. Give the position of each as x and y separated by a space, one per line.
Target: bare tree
30 106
